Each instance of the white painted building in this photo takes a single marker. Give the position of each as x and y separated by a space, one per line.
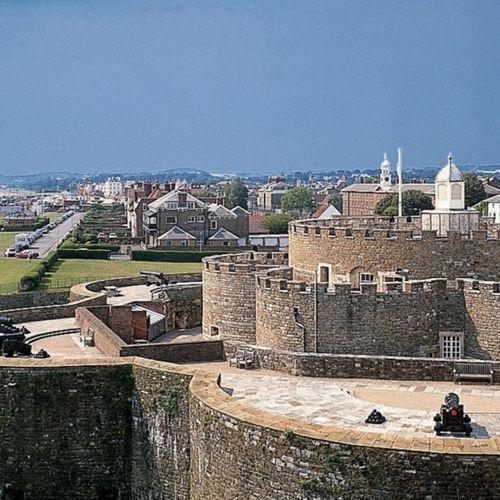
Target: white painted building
494 208
113 187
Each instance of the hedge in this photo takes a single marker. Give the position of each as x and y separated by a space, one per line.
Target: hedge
71 245
31 280
41 222
69 253
172 255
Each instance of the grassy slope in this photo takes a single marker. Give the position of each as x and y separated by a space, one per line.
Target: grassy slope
72 271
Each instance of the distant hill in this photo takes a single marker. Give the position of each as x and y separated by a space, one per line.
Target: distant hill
68 180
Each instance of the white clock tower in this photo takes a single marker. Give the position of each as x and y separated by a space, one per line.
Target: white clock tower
385 174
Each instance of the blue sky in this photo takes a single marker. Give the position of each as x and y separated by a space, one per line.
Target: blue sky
255 86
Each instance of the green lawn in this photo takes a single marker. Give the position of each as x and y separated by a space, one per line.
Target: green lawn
69 272
6 240
52 215
11 271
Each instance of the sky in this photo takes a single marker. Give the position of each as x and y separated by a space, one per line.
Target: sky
247 86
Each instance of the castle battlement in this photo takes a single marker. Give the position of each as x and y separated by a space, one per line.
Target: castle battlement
363 233
243 263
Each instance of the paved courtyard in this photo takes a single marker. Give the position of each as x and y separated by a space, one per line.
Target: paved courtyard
409 407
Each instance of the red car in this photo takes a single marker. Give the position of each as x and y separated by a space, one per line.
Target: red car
26 254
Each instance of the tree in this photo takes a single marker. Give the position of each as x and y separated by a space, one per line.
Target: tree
276 224
237 193
413 203
336 200
474 190
300 199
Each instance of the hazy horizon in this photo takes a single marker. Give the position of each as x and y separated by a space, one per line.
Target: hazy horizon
246 87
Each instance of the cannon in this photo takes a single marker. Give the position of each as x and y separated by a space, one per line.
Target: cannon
451 417
156 278
5 320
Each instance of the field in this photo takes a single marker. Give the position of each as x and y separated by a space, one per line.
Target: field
6 240
72 271
11 271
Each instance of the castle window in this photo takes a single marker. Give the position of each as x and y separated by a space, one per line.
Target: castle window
171 220
324 274
451 345
191 218
213 224
367 278
214 331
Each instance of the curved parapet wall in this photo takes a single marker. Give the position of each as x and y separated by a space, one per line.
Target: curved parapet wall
239 451
306 317
374 250
93 288
229 293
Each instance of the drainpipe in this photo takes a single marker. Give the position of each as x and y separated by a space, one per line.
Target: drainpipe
315 314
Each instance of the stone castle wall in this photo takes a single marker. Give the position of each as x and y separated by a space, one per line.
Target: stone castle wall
94 429
32 299
240 452
382 250
300 317
229 293
66 431
482 319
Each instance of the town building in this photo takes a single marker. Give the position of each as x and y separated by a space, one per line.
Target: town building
362 198
270 194
113 187
180 219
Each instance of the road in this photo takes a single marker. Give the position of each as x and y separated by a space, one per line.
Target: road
50 240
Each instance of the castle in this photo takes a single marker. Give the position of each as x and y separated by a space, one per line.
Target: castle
355 298
417 287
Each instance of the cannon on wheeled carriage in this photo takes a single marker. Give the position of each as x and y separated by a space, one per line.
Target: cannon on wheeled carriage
12 338
451 417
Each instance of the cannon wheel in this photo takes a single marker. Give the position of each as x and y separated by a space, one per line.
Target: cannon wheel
438 428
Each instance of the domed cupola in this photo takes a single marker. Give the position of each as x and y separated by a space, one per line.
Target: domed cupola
385 173
450 187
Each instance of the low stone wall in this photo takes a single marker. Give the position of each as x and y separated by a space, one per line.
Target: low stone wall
89 289
348 366
105 339
185 352
54 311
109 343
33 299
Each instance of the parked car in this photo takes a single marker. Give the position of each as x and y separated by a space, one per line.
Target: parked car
11 252
113 236
26 254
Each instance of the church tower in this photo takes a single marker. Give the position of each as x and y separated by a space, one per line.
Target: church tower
385 173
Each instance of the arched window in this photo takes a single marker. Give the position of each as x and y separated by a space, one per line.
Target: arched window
456 192
442 192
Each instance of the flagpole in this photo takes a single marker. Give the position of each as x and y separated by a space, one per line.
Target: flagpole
400 181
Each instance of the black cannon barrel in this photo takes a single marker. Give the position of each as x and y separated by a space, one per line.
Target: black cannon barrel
158 274
452 400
